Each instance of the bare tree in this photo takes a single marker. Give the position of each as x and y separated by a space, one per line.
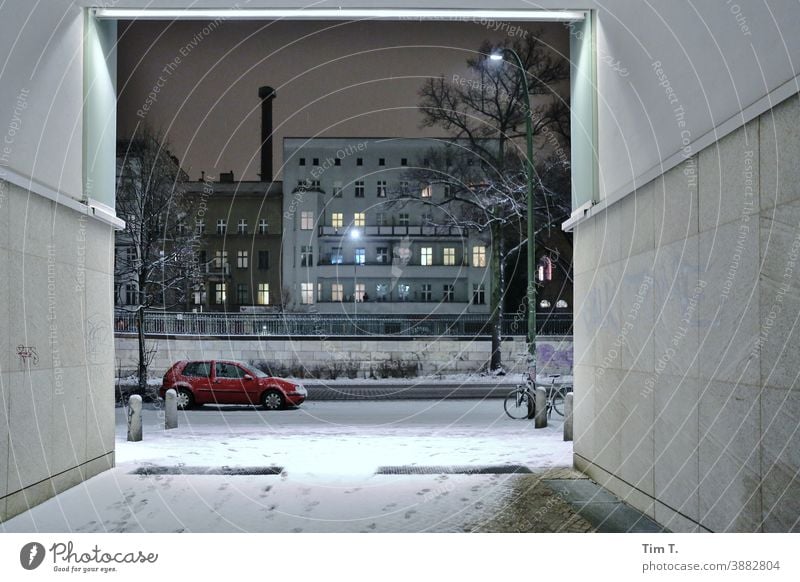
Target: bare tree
156 251
484 166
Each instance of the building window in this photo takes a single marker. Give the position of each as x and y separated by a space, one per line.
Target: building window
380 218
426 218
220 259
426 192
381 161
381 189
241 228
359 188
337 292
402 219
479 256
427 295
337 219
426 256
316 161
306 220
359 161
404 186
544 304
383 255
222 226
241 294
337 162
202 259
241 259
361 291
478 294
306 293
263 260
381 291
302 161
449 256
306 256
220 294
181 227
448 293
262 226
361 256
337 189
403 291
403 161
359 219
561 304
336 256
199 227
263 293
448 191
130 294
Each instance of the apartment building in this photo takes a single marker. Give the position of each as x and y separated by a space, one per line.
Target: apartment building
354 243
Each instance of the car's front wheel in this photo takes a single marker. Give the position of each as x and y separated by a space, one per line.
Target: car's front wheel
185 399
272 400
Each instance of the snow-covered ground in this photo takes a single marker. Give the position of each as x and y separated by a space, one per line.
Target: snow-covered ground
329 452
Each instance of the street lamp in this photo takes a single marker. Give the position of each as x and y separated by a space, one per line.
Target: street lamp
497 56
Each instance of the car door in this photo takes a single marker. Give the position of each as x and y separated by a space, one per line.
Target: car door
198 374
228 385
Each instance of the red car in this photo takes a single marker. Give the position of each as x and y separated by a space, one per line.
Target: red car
229 382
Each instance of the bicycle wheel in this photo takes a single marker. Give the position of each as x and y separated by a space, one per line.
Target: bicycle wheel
558 402
519 404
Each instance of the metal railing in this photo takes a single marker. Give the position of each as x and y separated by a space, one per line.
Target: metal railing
315 324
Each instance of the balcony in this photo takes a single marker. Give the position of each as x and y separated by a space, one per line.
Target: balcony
395 231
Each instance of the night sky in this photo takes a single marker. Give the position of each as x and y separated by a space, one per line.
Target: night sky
198 81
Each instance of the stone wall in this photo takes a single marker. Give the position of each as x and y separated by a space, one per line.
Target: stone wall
687 295
56 350
433 355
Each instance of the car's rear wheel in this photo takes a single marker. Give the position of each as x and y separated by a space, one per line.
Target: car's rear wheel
272 400
185 399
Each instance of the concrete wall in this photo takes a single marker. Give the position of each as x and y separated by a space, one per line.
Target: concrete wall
434 355
687 295
56 350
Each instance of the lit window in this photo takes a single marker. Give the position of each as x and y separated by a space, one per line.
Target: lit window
403 291
361 289
336 256
241 228
427 295
426 256
448 293
306 220
263 293
381 291
381 189
220 259
262 226
337 292
361 256
306 256
449 256
478 294
427 191
241 294
479 256
359 219
222 226
359 188
220 294
544 304
306 293
241 259
337 219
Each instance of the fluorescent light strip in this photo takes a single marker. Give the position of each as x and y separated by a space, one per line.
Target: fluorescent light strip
337 14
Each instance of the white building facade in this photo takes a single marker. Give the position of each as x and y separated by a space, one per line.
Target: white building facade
362 236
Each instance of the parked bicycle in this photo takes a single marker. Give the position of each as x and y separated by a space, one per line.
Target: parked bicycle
521 402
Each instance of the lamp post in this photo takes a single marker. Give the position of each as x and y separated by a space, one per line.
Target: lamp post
531 292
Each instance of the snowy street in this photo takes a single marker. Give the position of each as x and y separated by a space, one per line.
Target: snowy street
324 456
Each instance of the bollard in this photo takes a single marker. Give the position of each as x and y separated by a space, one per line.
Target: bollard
568 403
135 418
170 409
540 419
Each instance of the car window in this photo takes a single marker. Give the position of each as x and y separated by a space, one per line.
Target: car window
198 369
225 370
